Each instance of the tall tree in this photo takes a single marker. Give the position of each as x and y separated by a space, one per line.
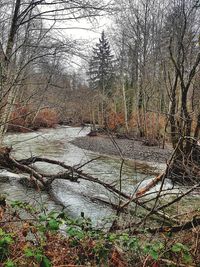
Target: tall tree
101 75
184 116
101 66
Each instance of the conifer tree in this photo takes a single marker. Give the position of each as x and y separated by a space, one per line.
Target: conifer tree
101 74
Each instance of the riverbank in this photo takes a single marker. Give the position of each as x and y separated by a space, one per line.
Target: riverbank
131 149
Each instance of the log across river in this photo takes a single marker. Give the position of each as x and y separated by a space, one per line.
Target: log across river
76 197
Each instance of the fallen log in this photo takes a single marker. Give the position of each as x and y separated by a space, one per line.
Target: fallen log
72 174
72 170
150 185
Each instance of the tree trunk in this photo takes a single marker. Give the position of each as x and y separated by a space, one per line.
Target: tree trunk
9 90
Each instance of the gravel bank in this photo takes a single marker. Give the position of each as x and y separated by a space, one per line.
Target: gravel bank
132 149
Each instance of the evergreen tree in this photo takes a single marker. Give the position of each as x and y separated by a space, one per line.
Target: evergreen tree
101 74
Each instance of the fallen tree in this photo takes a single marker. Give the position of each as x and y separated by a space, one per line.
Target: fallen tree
43 181
74 174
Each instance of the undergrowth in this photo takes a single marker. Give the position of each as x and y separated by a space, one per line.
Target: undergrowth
50 239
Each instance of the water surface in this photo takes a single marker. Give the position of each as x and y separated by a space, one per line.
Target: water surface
55 143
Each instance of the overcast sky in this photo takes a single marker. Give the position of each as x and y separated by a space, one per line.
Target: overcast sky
83 30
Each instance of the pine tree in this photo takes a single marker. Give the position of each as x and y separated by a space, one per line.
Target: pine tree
101 74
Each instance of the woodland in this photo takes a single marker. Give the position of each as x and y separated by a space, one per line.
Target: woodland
138 80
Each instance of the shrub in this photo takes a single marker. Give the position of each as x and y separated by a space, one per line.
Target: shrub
115 121
19 121
153 124
23 119
46 118
39 242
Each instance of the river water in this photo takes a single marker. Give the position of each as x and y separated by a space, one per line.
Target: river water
76 197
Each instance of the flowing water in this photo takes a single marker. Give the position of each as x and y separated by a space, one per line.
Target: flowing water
76 197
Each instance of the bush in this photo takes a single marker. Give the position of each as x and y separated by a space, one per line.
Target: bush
153 124
45 118
23 119
20 117
39 242
115 121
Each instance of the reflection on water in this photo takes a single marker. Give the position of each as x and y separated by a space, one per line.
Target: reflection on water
54 143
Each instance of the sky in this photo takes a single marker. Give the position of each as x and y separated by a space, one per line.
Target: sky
84 31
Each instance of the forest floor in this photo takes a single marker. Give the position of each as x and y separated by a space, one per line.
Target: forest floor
130 149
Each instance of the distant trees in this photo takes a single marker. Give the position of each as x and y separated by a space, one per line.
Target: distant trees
25 39
137 35
156 43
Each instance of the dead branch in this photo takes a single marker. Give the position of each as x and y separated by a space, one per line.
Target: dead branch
85 176
150 185
27 169
195 222
46 180
160 177
179 197
73 170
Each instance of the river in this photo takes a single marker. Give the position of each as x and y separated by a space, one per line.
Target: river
76 197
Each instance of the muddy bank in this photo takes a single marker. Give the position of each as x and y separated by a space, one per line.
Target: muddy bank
132 149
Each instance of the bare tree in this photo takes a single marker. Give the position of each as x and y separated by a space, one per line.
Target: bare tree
141 24
14 53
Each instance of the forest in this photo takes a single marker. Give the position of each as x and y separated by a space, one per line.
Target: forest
99 133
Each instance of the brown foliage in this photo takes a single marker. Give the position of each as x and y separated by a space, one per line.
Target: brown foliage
153 124
115 120
23 119
117 259
20 117
46 118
